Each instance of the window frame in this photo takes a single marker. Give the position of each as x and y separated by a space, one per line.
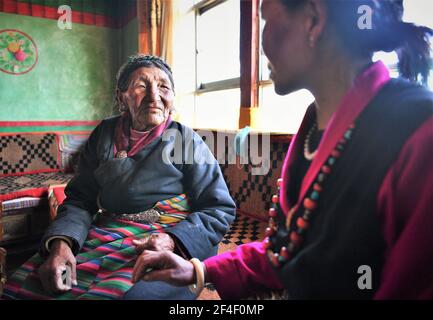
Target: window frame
200 8
250 81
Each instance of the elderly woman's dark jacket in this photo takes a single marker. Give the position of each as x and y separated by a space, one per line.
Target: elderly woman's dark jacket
136 183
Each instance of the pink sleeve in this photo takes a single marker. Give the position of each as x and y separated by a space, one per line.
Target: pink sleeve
242 273
405 204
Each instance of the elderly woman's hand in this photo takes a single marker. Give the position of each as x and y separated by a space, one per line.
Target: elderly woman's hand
50 272
163 266
154 242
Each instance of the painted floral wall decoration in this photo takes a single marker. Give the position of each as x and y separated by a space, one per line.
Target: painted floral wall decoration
18 52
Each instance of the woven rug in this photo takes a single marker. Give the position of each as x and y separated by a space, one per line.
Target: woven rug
28 153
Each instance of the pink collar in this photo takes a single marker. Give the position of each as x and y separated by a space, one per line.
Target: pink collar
366 87
127 139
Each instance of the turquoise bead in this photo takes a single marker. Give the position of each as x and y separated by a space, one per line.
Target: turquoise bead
348 134
314 196
331 161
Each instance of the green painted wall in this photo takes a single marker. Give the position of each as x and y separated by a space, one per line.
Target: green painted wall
129 40
74 77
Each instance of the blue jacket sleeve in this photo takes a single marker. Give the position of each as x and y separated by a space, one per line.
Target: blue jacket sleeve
74 215
213 209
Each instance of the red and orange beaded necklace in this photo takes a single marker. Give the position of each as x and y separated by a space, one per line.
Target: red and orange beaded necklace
296 233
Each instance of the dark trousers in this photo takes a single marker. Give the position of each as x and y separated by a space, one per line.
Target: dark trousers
157 290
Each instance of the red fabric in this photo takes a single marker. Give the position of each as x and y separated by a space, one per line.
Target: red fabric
10 6
122 135
405 205
88 18
77 17
51 13
38 10
242 273
36 193
59 194
23 8
47 123
136 136
101 21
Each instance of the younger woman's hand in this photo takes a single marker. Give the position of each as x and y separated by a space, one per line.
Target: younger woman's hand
165 266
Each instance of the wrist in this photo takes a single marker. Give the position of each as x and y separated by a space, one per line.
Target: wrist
58 243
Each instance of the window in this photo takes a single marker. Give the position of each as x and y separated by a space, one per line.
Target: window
279 113
208 60
206 55
217 42
217 61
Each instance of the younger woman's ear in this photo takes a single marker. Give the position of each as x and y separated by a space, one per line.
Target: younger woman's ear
317 17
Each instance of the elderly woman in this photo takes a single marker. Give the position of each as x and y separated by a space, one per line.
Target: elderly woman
124 191
353 219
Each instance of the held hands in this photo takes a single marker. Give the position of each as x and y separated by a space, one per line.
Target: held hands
154 242
156 252
50 272
163 266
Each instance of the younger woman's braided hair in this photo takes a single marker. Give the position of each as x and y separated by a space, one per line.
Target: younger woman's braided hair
388 33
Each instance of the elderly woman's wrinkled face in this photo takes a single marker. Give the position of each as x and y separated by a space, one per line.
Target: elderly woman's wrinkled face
285 43
149 97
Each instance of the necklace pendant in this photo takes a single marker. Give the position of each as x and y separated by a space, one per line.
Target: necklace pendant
307 154
121 154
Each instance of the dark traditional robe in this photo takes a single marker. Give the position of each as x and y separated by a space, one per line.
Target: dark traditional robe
375 209
136 183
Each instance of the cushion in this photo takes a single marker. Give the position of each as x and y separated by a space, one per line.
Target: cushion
32 185
70 146
56 195
28 153
21 203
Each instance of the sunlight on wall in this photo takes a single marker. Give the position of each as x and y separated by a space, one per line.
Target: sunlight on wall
218 110
183 65
282 113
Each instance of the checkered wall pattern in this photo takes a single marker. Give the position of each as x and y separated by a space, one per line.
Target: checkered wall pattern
253 193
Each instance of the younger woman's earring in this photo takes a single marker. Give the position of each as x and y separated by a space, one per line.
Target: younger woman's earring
311 39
